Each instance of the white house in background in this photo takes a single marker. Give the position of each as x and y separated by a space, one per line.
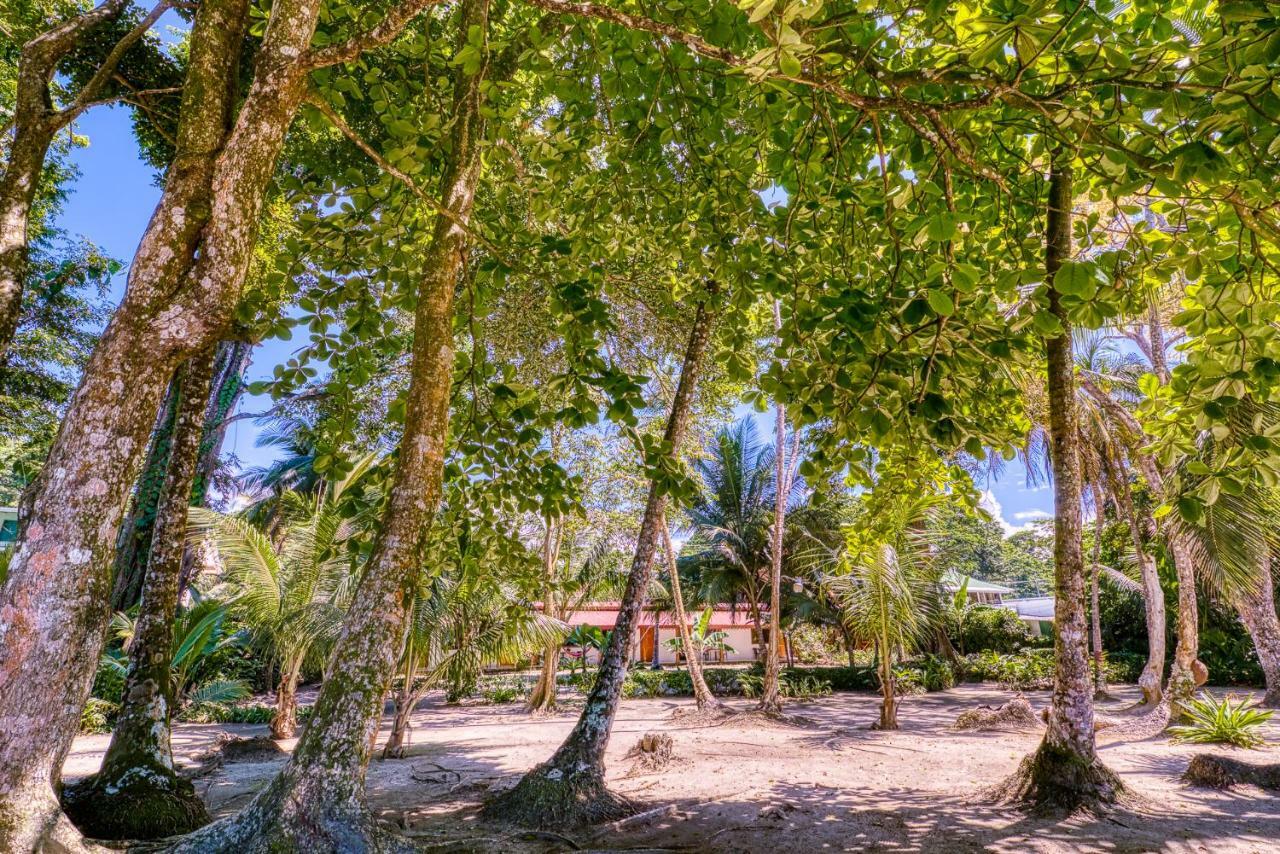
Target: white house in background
1035 611
657 628
977 591
8 527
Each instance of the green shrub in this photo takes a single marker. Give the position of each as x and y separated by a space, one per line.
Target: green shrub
1027 670
98 715
233 713
792 685
924 674
503 690
1231 720
997 629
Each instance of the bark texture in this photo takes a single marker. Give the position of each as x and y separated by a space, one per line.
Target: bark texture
702 696
284 720
1095 616
568 789
137 794
317 803
1257 609
543 696
1064 774
53 608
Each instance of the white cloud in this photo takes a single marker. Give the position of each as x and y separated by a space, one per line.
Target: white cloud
1024 515
991 504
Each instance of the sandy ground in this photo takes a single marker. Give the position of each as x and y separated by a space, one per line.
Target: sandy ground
827 784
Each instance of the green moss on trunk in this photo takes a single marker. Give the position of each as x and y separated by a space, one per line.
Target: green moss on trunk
548 797
1058 781
146 801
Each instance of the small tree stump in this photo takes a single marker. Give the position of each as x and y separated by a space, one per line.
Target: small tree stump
653 751
1222 772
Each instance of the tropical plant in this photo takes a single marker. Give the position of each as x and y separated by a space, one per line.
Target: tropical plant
702 637
200 633
457 624
291 597
1234 721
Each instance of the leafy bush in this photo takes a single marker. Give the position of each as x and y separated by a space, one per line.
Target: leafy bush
1029 669
1228 721
233 713
924 674
98 716
1123 666
984 628
506 690
795 686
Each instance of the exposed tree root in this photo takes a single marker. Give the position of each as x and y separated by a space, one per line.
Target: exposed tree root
548 797
145 801
1016 714
773 719
1222 772
710 715
1054 781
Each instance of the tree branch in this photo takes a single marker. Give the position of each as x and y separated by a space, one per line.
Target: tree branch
90 91
381 34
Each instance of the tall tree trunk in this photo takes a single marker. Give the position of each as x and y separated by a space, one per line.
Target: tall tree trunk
888 698
568 789
317 802
1187 673
1257 609
53 610
1064 774
543 696
702 696
1095 627
1151 681
770 695
134 543
136 794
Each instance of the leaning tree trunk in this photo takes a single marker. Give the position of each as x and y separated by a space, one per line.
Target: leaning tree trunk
1095 621
53 610
317 803
136 794
770 695
1151 681
568 789
702 696
543 696
134 543
1064 774
406 698
1257 609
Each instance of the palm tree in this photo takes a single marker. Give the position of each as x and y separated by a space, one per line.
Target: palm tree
731 551
456 624
887 586
292 596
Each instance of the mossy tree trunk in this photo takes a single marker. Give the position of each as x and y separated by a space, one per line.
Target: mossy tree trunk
53 608
1257 609
136 794
703 698
1064 774
568 790
317 802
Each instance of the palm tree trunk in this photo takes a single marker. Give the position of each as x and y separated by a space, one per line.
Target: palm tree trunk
1187 673
1152 679
284 720
543 697
317 802
1257 609
770 695
888 701
1065 772
1099 663
568 789
702 696
136 794
406 698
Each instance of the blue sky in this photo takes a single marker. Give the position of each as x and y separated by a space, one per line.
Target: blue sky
116 192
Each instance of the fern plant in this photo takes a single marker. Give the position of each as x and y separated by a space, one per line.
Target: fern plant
1231 720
